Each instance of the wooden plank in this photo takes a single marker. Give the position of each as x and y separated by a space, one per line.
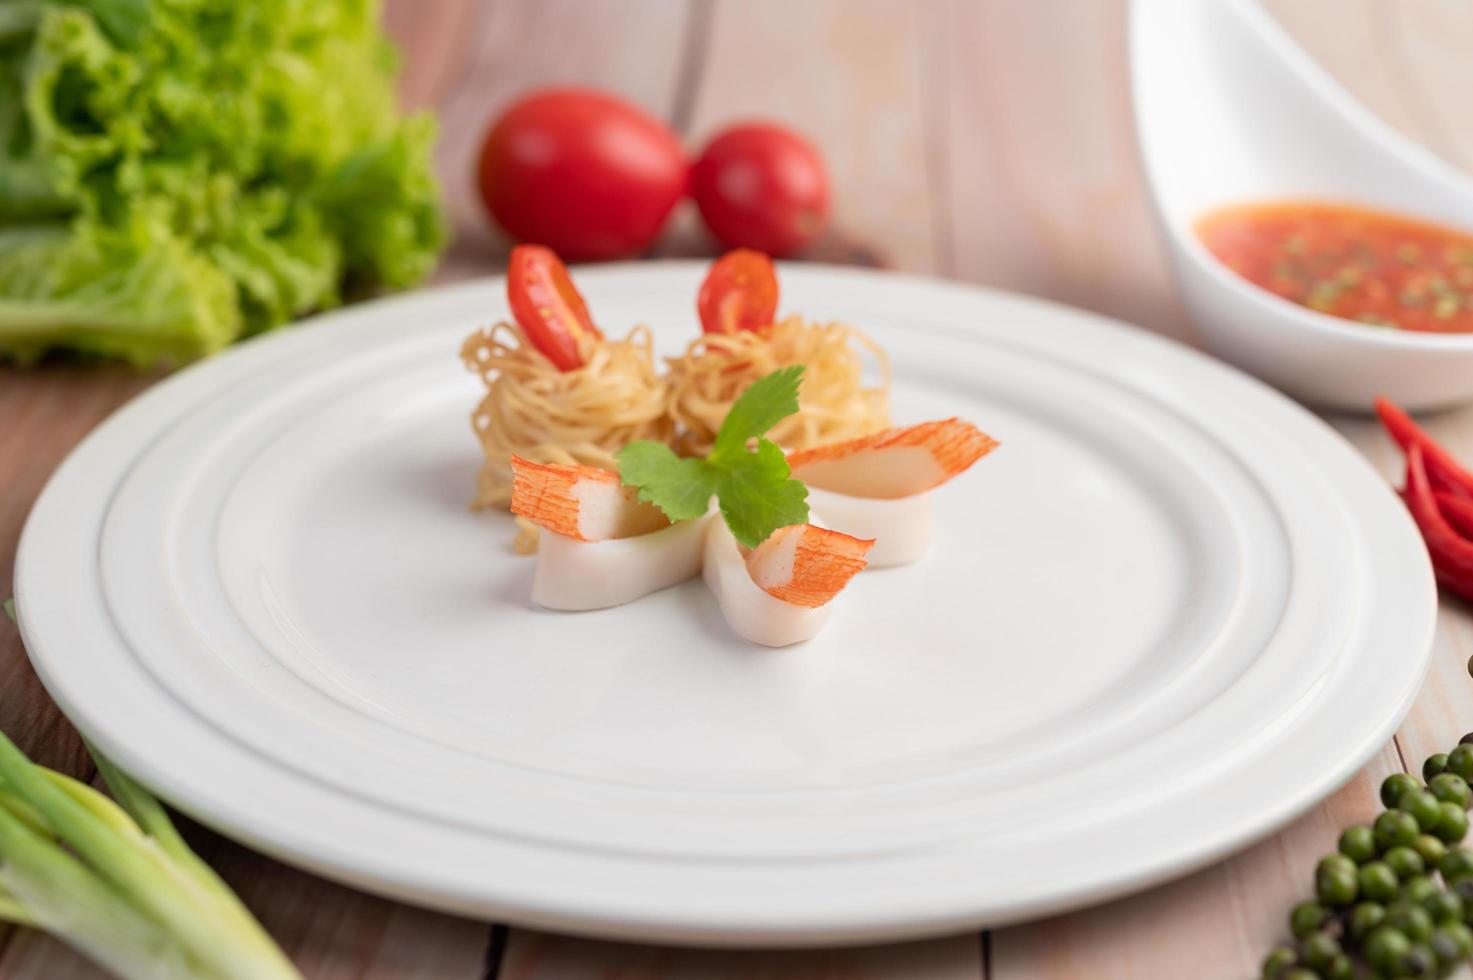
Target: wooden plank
1406 62
1444 709
1019 114
36 956
1218 923
1443 712
1043 185
634 48
368 939
46 410
851 77
533 956
637 49
335 933
432 47
1221 921
1432 41
330 932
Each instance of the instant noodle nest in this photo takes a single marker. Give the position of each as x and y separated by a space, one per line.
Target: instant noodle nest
582 416
586 415
833 403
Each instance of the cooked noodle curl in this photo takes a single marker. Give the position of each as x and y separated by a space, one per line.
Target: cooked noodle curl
833 403
584 416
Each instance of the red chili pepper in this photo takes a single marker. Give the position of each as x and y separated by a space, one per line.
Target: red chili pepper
1457 510
1452 554
1443 471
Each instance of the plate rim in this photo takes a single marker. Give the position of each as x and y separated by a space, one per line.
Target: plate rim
31 563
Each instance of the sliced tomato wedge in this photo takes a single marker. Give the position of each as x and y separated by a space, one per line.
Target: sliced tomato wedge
740 293
547 306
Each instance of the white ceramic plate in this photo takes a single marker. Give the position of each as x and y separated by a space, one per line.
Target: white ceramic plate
1171 612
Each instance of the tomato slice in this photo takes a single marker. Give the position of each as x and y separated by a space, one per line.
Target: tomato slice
740 293
547 306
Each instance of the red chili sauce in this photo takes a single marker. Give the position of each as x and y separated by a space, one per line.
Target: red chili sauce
1374 267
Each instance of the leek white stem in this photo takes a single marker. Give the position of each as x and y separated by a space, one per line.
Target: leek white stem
118 882
62 896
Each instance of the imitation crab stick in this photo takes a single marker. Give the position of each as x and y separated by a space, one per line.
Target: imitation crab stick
878 486
779 593
806 565
605 547
581 502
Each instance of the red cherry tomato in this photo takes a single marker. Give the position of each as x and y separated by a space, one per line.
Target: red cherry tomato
547 305
584 173
740 293
761 186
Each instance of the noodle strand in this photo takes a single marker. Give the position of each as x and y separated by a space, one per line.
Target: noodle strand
583 416
833 403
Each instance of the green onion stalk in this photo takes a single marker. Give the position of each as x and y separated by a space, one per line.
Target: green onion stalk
114 879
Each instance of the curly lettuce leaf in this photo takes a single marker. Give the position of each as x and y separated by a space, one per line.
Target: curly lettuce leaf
381 204
238 163
137 293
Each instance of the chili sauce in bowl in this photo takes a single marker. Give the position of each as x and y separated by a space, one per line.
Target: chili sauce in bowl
1374 267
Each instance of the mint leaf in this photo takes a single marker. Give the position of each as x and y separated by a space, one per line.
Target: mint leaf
755 488
765 403
758 494
682 488
10 608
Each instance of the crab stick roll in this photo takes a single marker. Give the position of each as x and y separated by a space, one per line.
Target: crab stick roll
779 593
604 547
878 486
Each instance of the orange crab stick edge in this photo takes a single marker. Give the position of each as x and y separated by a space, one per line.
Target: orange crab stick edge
895 463
806 565
580 502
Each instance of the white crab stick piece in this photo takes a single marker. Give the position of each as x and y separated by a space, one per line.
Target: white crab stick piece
878 486
602 547
901 528
779 593
574 575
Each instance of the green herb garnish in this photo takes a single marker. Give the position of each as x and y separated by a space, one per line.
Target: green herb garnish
753 486
113 878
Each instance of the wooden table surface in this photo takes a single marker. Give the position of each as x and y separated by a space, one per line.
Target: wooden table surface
983 140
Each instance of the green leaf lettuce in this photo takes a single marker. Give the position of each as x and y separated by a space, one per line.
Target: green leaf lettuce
175 174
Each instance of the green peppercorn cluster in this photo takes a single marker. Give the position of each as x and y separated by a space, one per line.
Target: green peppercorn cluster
1396 898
